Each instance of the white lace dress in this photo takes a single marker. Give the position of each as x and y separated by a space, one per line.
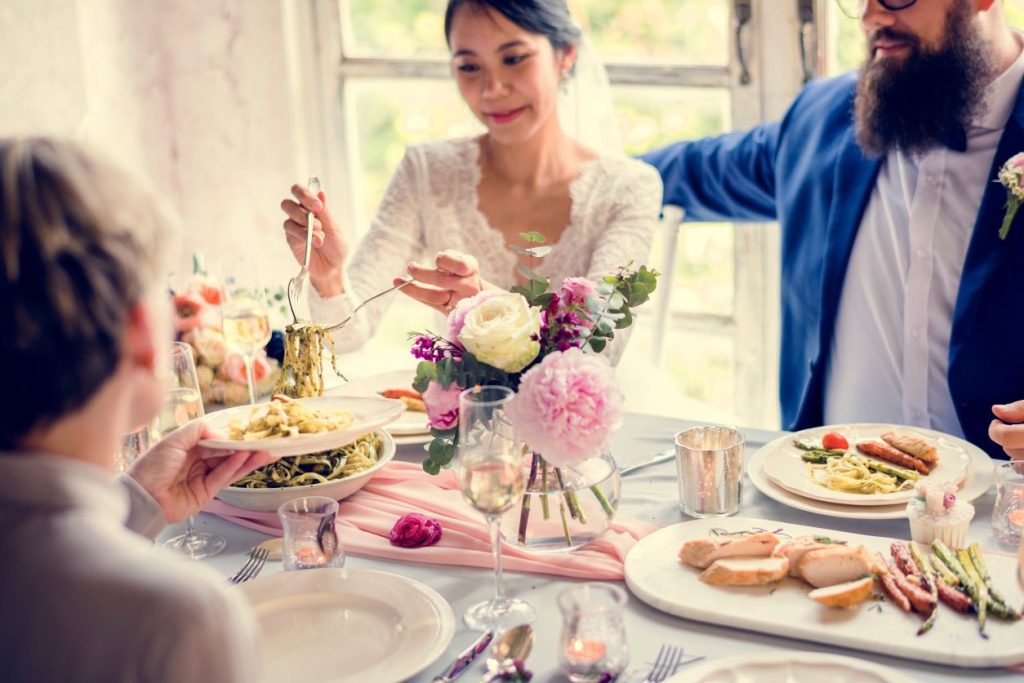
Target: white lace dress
431 205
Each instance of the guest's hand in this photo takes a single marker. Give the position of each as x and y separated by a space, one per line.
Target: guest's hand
1009 436
327 259
453 277
180 478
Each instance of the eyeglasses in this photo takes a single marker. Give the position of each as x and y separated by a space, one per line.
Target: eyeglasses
855 8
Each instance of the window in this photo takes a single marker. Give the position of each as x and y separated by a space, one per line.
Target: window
674 76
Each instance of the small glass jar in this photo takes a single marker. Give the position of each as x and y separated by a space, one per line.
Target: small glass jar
310 537
593 642
1008 512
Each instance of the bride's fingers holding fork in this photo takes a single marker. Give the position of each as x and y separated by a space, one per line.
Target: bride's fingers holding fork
436 297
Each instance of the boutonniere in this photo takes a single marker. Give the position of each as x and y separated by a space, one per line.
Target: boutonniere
1011 175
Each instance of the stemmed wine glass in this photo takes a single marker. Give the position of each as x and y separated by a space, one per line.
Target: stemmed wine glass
182 404
246 320
491 479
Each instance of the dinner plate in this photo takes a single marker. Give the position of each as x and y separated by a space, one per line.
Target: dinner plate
980 477
368 413
784 466
789 667
410 423
783 609
342 625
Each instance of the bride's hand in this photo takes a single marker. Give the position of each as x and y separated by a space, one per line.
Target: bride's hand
327 258
453 277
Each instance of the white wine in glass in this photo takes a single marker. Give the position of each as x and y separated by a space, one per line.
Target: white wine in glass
490 471
182 404
246 321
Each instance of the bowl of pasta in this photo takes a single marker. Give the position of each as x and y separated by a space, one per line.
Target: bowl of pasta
335 473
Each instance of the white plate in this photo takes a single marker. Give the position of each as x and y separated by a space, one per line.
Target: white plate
789 667
410 423
369 413
783 465
655 575
340 625
269 500
980 473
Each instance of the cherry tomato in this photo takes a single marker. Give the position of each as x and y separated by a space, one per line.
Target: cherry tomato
834 441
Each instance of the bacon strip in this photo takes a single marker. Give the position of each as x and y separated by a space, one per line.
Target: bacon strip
919 598
953 598
884 451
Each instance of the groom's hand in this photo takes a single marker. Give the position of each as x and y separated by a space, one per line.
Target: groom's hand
1008 431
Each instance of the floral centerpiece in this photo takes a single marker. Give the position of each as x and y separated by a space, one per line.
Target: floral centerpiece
221 372
546 346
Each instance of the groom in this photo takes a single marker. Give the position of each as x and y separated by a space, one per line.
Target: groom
900 302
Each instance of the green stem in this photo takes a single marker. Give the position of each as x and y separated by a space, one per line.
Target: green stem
565 493
608 509
1012 204
524 515
544 490
565 523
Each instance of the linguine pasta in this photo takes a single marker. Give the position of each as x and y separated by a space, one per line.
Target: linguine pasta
317 468
302 373
851 473
287 418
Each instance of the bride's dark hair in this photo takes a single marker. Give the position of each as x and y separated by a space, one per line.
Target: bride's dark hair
548 18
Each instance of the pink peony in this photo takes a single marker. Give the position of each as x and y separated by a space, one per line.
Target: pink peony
188 309
577 289
1016 161
415 531
568 406
442 405
457 318
234 368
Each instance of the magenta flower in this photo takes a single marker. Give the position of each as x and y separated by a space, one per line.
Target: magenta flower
415 531
567 407
442 405
457 318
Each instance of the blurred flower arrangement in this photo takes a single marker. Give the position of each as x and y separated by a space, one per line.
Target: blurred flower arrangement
221 372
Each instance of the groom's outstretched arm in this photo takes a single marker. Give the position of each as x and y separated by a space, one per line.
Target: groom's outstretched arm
726 178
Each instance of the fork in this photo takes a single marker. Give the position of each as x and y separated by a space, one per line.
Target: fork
668 660
344 322
297 283
252 567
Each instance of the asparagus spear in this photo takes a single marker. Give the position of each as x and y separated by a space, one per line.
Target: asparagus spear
947 576
887 468
999 605
982 600
946 556
926 569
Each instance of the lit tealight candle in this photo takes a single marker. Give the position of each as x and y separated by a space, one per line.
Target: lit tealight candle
582 651
309 556
1016 519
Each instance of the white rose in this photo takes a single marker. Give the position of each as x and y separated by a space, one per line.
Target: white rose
501 331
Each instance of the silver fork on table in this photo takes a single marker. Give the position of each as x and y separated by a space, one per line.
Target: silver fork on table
344 322
253 565
668 661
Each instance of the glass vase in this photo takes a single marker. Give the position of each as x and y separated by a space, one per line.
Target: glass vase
564 508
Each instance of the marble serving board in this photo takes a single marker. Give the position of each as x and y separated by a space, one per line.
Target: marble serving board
656 576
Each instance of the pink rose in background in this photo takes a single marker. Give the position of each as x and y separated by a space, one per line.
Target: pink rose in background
234 368
415 531
1016 161
187 311
577 289
567 407
442 405
457 318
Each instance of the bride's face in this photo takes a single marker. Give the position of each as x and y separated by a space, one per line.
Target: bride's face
508 76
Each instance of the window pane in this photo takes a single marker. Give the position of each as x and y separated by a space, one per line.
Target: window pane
845 48
657 31
396 28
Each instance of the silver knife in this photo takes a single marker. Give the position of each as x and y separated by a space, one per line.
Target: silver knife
660 457
463 661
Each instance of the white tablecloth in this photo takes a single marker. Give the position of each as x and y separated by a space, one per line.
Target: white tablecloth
649 494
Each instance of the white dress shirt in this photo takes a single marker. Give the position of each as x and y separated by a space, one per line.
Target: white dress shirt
85 599
890 351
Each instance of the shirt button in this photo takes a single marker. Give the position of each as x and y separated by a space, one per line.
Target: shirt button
921 252
917 332
932 178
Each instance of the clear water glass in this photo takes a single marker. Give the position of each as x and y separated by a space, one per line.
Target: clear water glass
1008 513
182 404
245 314
593 644
134 446
709 461
491 478
310 536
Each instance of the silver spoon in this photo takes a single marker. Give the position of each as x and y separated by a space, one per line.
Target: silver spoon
514 645
297 283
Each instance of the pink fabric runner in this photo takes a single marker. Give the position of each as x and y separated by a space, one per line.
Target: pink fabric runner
366 517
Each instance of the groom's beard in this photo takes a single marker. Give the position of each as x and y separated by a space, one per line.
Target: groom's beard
928 98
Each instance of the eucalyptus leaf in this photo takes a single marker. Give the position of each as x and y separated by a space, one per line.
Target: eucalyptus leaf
539 252
530 274
598 344
532 237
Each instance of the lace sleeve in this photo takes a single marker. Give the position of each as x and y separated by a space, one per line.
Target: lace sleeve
635 206
395 238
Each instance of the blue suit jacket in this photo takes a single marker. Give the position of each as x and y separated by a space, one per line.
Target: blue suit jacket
808 173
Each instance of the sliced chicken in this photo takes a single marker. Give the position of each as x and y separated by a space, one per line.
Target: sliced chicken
912 445
702 552
845 594
834 565
746 571
795 550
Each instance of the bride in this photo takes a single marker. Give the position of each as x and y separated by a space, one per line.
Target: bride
462 203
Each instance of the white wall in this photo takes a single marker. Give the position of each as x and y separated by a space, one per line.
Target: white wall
190 94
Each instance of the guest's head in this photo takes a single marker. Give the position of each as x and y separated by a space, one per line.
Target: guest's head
82 313
927 65
508 58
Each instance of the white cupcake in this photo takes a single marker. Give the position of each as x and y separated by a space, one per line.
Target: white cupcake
935 513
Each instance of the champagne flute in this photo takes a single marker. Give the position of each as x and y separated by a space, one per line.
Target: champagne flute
490 471
183 403
246 320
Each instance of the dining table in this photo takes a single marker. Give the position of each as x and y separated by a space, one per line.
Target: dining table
649 494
